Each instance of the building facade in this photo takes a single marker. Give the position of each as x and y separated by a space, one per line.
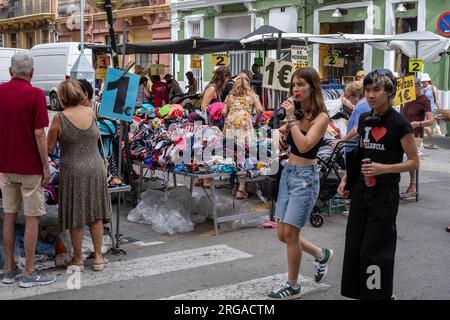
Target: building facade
235 19
143 20
25 23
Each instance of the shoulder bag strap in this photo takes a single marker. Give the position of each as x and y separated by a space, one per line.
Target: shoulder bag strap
101 141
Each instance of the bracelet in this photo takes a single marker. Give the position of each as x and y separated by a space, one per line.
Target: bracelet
291 118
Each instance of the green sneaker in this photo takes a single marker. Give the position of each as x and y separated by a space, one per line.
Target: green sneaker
285 292
322 265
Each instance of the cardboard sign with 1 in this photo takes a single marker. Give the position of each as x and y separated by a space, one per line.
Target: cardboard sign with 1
119 96
278 74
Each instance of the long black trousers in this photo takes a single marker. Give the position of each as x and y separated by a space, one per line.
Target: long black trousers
370 242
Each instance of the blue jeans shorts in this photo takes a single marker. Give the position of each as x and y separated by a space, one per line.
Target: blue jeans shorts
299 189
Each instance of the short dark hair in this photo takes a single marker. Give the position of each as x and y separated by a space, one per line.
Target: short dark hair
384 78
86 86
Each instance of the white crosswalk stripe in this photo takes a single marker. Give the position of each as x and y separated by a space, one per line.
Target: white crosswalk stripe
130 269
256 289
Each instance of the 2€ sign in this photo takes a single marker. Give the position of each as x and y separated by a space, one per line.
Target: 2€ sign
119 95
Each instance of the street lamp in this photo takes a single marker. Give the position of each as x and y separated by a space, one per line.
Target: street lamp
82 69
400 8
336 14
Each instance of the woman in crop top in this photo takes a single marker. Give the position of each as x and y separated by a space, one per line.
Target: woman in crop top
307 122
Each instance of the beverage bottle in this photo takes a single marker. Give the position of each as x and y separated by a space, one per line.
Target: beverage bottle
369 181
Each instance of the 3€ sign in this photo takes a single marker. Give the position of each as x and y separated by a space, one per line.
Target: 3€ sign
119 95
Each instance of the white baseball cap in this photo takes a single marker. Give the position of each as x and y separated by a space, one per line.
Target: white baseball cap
424 77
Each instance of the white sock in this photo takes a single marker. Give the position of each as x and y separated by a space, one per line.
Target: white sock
293 283
320 254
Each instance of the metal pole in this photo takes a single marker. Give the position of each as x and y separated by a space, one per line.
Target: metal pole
124 45
82 26
278 94
108 9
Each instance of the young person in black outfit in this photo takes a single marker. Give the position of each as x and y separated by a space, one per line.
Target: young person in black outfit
371 236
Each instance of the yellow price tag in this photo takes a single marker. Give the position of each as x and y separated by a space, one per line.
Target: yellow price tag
333 61
301 64
101 73
156 69
406 91
196 61
415 65
219 59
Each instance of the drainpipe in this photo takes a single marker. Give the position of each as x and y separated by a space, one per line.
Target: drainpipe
446 73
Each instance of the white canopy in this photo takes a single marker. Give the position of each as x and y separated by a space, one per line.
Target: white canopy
429 44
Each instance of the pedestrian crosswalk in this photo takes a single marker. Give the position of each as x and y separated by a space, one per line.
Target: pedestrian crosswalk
255 289
153 265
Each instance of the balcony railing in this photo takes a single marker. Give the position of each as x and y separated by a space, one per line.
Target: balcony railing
127 4
14 9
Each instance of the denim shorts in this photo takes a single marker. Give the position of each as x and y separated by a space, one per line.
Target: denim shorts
299 189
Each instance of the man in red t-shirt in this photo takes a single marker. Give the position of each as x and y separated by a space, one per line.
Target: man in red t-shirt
23 166
418 113
159 92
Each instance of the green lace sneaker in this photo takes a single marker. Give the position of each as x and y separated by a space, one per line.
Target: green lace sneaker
285 292
322 265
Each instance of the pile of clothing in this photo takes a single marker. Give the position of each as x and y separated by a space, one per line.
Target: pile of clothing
178 148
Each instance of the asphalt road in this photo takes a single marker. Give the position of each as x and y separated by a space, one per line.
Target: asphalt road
242 263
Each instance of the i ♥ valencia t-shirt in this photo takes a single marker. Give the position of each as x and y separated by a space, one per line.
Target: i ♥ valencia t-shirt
382 143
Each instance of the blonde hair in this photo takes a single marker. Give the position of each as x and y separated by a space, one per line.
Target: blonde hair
70 93
355 89
241 86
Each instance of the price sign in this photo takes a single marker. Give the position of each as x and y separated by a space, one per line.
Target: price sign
278 74
415 65
119 96
406 91
101 73
219 59
259 61
299 55
301 64
156 69
333 61
196 62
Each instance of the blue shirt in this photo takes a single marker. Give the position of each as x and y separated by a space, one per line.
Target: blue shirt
361 107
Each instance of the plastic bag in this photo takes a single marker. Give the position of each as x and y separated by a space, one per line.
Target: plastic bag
167 212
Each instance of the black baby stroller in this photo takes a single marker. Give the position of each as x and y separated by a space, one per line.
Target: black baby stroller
331 164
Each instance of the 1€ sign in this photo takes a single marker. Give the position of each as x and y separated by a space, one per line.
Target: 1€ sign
406 91
119 95
278 74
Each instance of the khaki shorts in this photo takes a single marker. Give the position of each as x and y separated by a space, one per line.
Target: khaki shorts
27 188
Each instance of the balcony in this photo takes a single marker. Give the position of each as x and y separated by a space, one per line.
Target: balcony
14 9
127 4
68 7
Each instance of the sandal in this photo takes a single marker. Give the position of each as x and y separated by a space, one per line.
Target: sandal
100 266
241 194
75 267
410 192
207 183
198 182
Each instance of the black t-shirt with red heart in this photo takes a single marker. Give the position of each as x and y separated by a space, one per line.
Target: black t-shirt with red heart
382 142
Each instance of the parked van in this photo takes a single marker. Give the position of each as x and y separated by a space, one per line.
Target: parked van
5 62
52 64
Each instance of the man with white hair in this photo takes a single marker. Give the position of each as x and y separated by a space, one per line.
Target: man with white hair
23 165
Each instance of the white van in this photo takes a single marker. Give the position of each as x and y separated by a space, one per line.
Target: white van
52 64
5 62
